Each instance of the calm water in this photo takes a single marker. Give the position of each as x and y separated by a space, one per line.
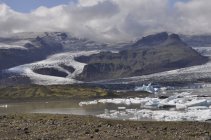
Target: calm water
52 107
72 107
56 107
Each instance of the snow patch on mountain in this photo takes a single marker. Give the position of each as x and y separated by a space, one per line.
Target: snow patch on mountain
12 46
205 51
23 35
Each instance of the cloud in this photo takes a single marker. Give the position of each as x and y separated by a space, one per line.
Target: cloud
89 2
195 15
112 20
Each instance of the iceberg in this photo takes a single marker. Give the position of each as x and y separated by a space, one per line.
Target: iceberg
196 102
148 88
4 106
88 103
198 114
178 107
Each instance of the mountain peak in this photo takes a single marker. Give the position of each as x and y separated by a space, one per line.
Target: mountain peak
157 40
174 37
152 39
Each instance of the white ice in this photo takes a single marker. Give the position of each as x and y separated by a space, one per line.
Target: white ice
12 46
4 106
179 107
149 88
54 61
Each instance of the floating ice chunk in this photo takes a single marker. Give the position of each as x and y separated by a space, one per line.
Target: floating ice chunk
202 114
102 101
127 102
195 102
183 94
88 103
208 102
121 108
180 106
4 106
117 101
148 88
185 107
198 108
167 105
135 101
152 102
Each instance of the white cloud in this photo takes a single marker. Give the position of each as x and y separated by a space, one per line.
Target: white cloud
195 16
89 2
112 20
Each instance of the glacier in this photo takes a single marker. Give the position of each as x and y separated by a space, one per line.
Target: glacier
54 61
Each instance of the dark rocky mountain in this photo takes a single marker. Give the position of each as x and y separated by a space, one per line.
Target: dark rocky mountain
190 40
197 40
151 40
25 48
38 49
39 46
9 79
51 72
151 54
166 52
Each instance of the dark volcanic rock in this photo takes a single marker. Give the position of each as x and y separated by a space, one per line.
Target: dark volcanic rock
51 72
136 61
151 40
68 68
9 79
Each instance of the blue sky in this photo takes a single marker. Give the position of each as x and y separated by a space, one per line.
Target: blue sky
28 5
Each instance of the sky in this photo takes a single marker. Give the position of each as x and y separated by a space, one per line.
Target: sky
29 5
106 20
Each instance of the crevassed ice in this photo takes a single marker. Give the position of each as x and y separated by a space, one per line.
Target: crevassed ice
54 61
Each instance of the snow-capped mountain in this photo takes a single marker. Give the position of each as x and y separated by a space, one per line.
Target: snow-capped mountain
50 57
59 63
27 54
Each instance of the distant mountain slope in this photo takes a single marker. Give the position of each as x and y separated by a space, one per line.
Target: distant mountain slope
151 40
31 50
50 58
197 40
23 48
151 54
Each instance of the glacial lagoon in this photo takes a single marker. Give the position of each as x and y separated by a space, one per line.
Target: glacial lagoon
192 103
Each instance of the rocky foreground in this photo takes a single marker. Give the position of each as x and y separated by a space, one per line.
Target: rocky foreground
37 126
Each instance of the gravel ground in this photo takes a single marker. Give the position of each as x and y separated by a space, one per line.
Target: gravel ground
70 127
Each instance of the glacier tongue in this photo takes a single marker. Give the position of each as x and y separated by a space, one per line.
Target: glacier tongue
53 61
178 107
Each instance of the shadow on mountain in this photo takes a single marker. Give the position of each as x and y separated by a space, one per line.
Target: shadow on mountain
51 72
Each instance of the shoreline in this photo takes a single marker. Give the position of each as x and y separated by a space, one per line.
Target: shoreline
54 126
46 126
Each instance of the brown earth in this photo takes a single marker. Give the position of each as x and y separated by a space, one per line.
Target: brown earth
48 127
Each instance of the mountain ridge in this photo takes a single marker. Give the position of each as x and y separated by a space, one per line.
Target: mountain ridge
122 60
138 60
